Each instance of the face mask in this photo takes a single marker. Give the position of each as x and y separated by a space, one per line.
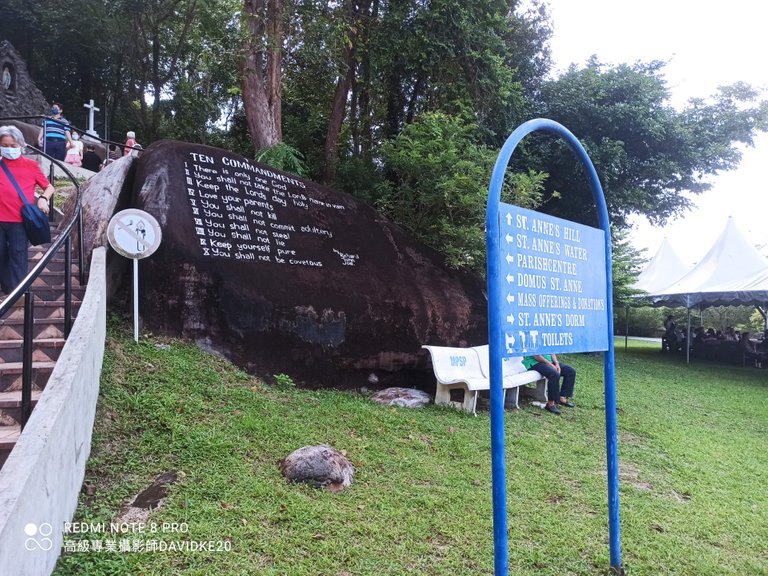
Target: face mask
55 111
10 153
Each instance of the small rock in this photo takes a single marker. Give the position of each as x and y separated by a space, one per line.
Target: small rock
151 498
405 397
373 379
321 466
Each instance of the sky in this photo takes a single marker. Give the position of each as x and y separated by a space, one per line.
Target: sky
706 44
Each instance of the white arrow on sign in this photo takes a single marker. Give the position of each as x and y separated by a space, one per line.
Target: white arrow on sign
510 298
510 279
511 319
509 340
509 219
510 259
509 238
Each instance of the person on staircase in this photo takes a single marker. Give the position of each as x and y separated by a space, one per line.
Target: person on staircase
14 245
74 151
56 135
130 142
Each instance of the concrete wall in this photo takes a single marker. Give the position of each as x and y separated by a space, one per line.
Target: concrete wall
41 480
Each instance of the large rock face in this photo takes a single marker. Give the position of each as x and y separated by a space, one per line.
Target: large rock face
281 275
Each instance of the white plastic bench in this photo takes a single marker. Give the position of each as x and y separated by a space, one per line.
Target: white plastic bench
457 368
467 369
515 375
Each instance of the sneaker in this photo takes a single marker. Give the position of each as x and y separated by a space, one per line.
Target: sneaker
552 408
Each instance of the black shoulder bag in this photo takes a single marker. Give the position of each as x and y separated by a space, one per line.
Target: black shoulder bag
36 223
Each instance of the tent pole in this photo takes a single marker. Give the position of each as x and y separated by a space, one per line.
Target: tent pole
688 339
626 326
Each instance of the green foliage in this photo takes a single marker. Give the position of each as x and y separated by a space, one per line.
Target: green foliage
640 321
283 157
482 61
646 153
647 321
438 187
284 381
738 317
627 263
756 323
182 52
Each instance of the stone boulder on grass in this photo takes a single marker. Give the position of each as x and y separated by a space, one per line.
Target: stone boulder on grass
321 466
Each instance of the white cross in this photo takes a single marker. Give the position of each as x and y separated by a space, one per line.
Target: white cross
91 109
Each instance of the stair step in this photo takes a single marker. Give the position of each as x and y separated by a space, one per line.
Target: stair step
8 436
43 310
10 406
48 279
48 337
13 328
55 265
13 399
11 375
56 293
43 350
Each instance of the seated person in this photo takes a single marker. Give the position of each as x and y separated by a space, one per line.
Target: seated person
750 351
669 342
548 366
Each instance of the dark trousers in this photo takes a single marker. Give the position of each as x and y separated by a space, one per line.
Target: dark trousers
56 147
554 391
14 255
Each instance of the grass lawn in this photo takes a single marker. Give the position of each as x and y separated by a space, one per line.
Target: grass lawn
692 458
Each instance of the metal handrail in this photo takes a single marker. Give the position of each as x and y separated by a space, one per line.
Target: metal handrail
25 287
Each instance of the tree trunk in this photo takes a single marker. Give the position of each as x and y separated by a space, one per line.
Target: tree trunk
261 69
337 116
355 14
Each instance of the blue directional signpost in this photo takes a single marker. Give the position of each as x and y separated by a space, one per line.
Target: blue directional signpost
554 275
549 292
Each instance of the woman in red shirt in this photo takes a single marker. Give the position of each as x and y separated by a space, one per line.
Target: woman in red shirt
14 245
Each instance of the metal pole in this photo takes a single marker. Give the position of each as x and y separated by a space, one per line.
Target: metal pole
136 300
495 343
68 286
26 367
626 326
495 333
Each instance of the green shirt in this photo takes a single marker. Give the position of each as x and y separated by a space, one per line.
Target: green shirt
529 361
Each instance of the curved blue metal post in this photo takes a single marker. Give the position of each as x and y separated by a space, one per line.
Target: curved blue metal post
496 343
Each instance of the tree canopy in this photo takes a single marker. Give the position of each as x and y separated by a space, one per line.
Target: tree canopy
400 102
647 153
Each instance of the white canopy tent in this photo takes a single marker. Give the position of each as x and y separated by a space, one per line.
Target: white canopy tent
665 268
732 273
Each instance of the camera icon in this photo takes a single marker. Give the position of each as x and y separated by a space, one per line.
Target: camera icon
38 536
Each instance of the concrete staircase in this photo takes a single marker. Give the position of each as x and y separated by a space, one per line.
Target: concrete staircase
48 334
